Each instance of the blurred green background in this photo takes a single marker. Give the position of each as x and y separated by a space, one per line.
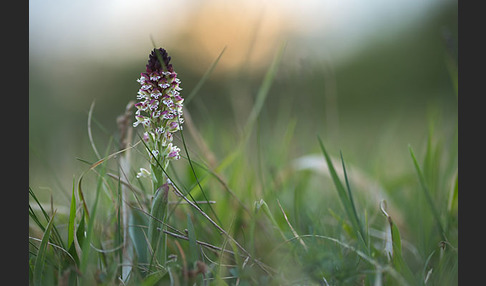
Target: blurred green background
369 77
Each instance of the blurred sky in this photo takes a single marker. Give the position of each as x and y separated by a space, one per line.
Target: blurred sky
85 50
119 28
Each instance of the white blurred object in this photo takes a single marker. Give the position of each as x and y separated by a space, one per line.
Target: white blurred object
356 177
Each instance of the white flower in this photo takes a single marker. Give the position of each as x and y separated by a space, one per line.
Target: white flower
155 153
143 173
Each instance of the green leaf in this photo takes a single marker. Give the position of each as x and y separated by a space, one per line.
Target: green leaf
137 221
41 254
397 259
157 219
154 277
80 235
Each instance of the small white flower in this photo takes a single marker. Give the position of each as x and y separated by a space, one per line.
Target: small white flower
155 153
174 152
140 119
142 94
154 77
156 114
168 102
169 115
144 173
146 122
156 94
153 104
141 80
164 85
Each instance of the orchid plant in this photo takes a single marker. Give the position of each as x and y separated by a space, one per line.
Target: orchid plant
159 111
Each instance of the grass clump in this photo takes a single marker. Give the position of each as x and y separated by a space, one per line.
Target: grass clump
255 216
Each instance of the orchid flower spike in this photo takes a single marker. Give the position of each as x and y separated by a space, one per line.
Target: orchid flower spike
159 107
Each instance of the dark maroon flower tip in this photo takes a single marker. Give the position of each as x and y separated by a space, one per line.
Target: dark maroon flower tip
154 64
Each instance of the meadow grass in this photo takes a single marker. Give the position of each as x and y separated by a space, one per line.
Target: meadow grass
253 216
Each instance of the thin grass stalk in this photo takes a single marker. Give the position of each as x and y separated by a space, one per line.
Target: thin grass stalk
426 192
90 135
56 237
291 227
197 179
42 252
204 78
126 134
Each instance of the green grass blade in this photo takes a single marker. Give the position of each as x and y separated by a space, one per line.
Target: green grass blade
31 192
353 207
337 182
453 197
41 254
56 237
428 197
72 216
90 136
80 231
264 89
191 233
343 196
154 277
266 210
34 217
204 78
260 100
197 180
397 259
86 245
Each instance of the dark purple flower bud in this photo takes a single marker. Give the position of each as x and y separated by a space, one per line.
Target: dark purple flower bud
154 63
